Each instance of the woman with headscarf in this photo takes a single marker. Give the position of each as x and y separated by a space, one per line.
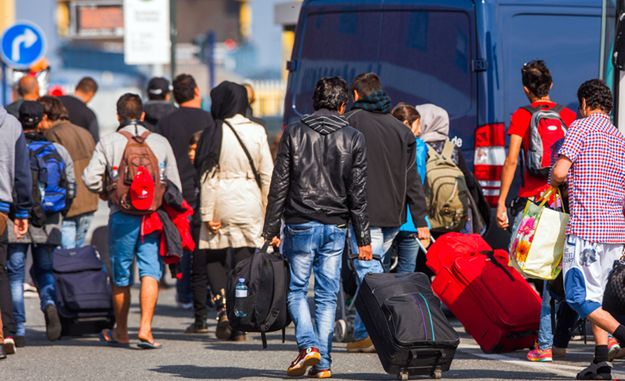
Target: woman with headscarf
435 132
233 190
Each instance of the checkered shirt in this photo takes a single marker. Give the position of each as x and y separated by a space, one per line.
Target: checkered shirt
596 179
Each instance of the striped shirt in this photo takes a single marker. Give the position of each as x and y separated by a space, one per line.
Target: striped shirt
596 179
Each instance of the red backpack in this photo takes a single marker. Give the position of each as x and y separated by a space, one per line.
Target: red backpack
547 131
138 188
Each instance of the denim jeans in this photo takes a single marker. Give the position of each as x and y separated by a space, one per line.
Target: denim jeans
407 251
545 331
42 275
381 241
75 230
314 247
184 293
566 318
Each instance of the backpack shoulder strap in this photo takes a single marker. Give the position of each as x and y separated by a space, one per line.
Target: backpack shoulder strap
558 108
125 134
531 109
448 149
247 154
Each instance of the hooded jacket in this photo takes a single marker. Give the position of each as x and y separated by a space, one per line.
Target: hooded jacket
156 110
320 175
393 178
15 176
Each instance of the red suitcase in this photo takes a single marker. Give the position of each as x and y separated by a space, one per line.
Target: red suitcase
496 305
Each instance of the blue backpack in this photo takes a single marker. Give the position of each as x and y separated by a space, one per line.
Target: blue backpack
49 180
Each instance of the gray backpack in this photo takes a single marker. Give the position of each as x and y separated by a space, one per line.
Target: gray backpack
547 131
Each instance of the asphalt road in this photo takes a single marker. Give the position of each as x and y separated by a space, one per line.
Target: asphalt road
203 357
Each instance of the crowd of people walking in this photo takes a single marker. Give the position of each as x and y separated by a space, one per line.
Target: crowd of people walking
360 183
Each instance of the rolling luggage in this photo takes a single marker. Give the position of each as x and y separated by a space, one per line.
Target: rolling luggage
496 305
405 322
83 291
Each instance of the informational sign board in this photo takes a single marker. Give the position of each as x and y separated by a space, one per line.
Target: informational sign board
146 32
23 44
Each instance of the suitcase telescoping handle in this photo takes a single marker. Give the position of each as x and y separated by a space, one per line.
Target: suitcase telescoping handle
425 250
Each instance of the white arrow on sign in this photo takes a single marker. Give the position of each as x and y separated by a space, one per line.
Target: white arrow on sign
28 38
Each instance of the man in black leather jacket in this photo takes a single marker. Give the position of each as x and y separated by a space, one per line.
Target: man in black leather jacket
393 181
318 186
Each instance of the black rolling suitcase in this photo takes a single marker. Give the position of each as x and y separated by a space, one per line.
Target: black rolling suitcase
405 322
83 291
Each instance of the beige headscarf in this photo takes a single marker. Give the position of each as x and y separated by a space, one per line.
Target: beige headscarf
434 123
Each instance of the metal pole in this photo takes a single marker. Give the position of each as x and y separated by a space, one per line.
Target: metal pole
4 83
172 37
211 40
602 48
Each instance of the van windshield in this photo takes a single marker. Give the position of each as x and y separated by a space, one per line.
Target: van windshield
422 56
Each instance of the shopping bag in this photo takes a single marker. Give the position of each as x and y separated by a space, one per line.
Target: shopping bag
538 239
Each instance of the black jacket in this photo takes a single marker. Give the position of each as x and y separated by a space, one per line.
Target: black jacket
155 111
393 178
320 175
178 128
81 115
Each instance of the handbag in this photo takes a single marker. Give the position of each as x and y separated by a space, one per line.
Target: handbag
614 295
247 153
538 239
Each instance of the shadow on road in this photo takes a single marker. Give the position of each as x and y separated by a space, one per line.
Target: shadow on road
216 373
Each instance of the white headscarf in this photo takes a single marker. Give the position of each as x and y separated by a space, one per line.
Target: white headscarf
434 123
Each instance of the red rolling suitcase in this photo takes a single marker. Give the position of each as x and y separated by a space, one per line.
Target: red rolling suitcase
496 305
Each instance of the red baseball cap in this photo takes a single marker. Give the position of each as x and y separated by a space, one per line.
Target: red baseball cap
142 189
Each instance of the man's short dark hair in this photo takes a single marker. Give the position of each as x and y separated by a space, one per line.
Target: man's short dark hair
366 84
330 93
184 88
596 94
129 107
87 85
53 108
537 78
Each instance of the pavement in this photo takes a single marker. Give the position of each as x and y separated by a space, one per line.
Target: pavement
203 357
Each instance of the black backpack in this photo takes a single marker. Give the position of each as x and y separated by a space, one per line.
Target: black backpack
265 308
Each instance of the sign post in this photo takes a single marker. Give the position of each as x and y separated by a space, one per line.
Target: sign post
146 32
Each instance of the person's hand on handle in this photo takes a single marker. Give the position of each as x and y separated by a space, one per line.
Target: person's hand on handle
423 233
214 226
502 216
20 227
275 242
365 253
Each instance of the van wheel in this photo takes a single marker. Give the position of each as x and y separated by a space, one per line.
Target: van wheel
403 376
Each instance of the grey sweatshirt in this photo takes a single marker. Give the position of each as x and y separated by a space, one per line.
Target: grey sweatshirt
14 167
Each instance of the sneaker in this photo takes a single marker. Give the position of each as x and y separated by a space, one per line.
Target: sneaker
600 371
53 323
9 346
305 359
20 341
185 306
197 327
614 350
558 353
540 355
319 373
361 346
223 330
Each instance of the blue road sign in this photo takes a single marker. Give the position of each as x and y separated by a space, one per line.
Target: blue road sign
23 44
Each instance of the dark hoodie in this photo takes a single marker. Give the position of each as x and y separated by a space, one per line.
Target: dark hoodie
320 175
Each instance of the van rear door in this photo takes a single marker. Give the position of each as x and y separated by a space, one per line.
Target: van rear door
422 52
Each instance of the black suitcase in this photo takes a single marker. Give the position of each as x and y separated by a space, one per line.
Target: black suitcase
406 324
83 291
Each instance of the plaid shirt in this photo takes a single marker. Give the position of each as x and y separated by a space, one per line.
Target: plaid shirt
596 179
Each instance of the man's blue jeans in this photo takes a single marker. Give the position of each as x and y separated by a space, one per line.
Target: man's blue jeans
75 230
407 251
314 247
42 275
381 241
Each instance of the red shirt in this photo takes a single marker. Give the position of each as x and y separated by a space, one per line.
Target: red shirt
520 125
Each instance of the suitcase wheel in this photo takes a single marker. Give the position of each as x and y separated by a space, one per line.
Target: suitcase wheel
340 330
403 376
437 373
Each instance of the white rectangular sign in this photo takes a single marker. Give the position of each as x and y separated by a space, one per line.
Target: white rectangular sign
146 32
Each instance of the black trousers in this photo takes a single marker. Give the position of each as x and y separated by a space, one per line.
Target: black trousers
6 304
211 267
